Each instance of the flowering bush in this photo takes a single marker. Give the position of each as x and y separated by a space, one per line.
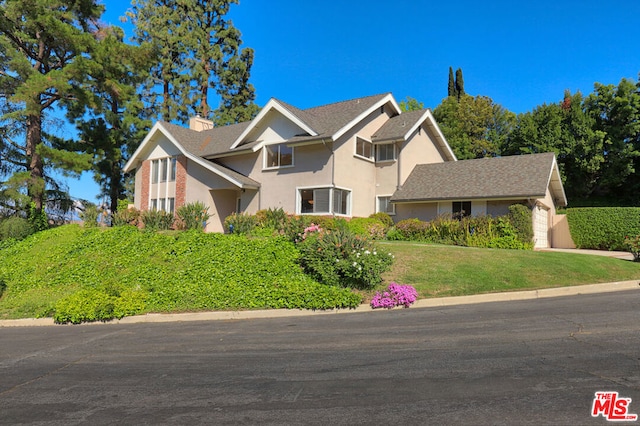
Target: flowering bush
395 295
342 258
632 244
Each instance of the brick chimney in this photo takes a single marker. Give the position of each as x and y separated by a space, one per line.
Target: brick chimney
199 124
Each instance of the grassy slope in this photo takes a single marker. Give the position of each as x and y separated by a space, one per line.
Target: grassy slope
190 272
453 271
173 271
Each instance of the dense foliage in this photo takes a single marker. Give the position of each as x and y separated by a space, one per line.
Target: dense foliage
603 228
513 231
76 274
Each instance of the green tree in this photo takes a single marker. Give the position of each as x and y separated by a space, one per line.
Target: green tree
451 87
475 127
459 84
616 112
198 51
114 124
411 104
44 52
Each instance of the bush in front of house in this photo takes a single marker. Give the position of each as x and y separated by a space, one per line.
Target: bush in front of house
192 216
157 220
16 228
342 258
240 223
603 228
369 227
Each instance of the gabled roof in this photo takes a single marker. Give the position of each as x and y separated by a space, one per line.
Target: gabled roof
183 138
402 126
327 121
514 177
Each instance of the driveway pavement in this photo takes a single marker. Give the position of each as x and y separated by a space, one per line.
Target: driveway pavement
617 254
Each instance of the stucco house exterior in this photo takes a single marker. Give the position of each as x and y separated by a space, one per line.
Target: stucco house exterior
349 159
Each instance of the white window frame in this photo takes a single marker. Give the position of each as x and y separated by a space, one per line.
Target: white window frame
386 160
278 146
362 155
332 195
393 206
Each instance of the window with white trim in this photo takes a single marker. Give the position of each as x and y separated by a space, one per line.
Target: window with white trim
364 148
163 170
385 205
385 152
164 204
279 155
324 201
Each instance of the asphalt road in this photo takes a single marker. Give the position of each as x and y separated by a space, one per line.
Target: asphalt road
525 362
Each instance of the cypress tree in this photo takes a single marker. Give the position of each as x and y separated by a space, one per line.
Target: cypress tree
459 84
451 89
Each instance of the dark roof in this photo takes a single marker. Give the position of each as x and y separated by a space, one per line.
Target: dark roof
519 176
397 126
207 142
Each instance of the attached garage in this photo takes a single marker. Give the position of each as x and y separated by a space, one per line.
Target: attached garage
540 227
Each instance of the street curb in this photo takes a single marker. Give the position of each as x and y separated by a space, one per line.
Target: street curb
281 313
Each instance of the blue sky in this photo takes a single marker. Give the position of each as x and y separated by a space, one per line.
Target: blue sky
521 54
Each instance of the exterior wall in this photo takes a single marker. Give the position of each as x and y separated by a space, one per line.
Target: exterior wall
143 178
181 181
560 233
223 206
548 202
358 174
418 149
422 211
500 208
273 127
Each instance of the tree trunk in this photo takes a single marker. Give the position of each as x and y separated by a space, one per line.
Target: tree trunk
35 186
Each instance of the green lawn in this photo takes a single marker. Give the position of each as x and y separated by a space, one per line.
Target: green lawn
436 270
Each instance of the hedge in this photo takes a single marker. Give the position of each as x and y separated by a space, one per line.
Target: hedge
603 228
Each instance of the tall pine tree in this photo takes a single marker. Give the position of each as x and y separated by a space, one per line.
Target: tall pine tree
451 87
45 50
199 51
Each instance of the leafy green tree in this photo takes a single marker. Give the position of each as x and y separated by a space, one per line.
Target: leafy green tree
475 127
198 51
44 52
411 104
616 112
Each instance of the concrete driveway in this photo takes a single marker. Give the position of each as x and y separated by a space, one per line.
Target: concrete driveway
617 254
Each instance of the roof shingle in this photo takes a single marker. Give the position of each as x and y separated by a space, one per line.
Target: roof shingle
501 177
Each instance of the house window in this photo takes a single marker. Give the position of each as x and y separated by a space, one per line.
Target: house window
325 201
153 205
165 204
172 170
385 152
385 205
154 171
163 170
364 148
279 155
170 206
461 209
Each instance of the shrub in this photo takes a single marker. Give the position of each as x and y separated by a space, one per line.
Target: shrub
193 216
89 305
343 258
383 218
157 220
632 245
603 228
240 223
16 228
412 229
125 215
520 217
90 216
39 220
395 295
272 218
367 227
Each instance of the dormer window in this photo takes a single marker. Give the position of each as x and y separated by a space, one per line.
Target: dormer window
279 155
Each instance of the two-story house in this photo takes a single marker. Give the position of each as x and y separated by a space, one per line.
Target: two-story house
345 159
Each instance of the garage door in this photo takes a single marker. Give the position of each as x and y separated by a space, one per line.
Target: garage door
540 227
